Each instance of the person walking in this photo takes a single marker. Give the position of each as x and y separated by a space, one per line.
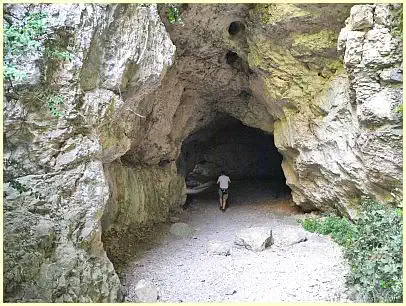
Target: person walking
223 180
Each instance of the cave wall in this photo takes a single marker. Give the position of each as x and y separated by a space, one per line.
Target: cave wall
294 72
348 143
55 188
141 195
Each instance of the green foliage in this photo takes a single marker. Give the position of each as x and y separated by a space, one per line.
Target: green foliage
399 109
174 15
373 248
22 39
311 225
376 257
10 72
59 55
340 229
53 102
27 37
397 29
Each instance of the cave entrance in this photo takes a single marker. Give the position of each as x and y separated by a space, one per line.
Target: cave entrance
247 155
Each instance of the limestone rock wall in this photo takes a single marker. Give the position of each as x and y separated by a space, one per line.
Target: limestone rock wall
372 49
55 186
284 76
348 140
141 195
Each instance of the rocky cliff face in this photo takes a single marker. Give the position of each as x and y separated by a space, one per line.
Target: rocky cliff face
53 250
352 144
130 101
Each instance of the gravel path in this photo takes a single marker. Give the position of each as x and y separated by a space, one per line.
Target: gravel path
183 270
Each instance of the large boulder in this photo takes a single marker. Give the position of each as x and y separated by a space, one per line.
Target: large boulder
254 238
290 236
361 18
145 292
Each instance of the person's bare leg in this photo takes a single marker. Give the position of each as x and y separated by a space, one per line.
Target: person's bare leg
221 203
225 197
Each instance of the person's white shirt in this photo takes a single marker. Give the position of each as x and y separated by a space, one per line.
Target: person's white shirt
223 180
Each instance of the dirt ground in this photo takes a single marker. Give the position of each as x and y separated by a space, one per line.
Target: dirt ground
183 270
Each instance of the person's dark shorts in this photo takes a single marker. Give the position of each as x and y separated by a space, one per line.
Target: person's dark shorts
225 196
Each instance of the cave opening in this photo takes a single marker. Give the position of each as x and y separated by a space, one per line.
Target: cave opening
231 57
236 29
247 155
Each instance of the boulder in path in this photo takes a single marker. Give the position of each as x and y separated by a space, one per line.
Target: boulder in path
145 292
181 229
217 248
254 238
290 236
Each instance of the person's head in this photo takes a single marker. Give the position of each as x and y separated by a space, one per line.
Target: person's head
222 173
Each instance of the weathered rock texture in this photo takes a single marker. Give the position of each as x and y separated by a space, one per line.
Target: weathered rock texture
349 142
129 102
282 73
145 292
53 250
256 239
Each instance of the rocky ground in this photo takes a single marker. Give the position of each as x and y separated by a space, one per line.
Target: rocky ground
201 263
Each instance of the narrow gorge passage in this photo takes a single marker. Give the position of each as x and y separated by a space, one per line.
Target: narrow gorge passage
182 264
184 270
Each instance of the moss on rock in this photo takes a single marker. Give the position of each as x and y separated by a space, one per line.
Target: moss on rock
315 41
289 78
272 13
